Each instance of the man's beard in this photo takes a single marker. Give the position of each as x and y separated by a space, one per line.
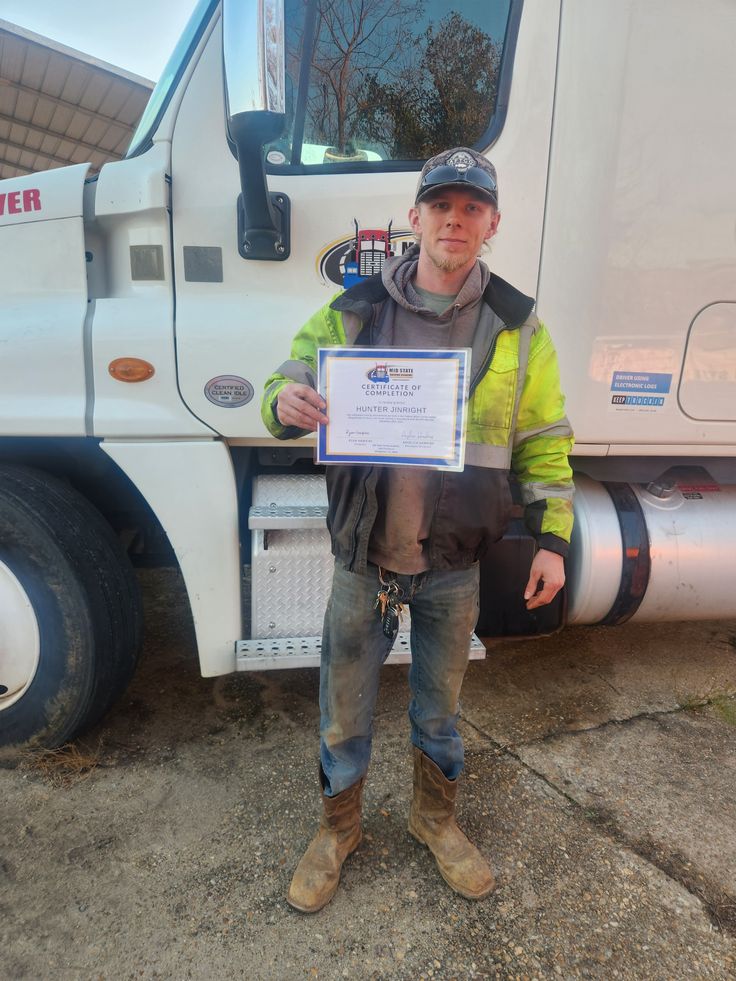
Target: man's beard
445 263
450 263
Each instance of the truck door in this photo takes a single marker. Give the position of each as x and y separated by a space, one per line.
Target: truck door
380 88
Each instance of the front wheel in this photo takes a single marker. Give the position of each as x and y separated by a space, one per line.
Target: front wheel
70 612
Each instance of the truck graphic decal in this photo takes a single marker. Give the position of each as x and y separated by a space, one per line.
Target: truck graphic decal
351 260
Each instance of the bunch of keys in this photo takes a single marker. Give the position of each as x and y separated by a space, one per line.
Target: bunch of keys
388 602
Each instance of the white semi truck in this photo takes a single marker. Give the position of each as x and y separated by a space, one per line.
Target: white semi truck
141 310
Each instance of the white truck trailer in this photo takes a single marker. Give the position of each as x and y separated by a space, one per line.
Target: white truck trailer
142 308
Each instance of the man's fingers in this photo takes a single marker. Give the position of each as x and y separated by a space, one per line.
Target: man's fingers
531 586
546 579
541 598
300 409
303 417
545 595
300 406
307 394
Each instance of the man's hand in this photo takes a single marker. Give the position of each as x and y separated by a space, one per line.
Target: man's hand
550 569
300 406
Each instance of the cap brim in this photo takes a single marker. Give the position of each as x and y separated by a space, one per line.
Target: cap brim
480 192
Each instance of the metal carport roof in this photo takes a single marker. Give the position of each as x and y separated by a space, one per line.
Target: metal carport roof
59 106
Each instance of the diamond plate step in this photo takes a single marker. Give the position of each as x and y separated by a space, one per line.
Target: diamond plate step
279 489
304 652
292 576
287 516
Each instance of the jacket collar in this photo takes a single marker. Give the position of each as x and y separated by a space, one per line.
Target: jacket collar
511 305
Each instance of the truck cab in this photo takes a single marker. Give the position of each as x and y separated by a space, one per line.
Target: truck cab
143 308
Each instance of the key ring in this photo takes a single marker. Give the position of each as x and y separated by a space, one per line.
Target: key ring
391 587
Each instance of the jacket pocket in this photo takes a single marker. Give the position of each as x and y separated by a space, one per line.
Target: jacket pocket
472 512
492 404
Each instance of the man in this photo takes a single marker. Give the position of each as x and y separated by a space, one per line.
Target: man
416 531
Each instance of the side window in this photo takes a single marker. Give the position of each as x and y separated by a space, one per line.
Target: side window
376 81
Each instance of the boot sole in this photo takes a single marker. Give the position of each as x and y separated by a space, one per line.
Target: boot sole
311 909
461 892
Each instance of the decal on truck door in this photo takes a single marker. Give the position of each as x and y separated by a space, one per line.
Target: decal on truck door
229 391
640 389
351 260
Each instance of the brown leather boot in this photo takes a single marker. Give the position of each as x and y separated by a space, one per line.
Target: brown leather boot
317 875
432 821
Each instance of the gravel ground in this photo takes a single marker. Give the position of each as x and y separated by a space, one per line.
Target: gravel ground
600 784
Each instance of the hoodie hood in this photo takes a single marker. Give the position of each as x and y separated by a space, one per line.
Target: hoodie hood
398 277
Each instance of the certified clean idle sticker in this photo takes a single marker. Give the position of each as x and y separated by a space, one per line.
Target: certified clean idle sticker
229 391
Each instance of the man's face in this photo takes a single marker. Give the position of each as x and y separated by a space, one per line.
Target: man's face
452 225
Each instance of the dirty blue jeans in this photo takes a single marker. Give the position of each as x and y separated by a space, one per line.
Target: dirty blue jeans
444 611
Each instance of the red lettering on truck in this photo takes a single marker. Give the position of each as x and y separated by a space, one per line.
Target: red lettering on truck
16 202
32 199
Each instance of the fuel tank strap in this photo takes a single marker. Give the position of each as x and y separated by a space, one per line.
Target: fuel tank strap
636 558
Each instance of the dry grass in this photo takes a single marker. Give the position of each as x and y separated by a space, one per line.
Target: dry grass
65 766
725 706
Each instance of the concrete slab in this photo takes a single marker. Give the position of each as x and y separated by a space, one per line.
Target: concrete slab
178 869
666 786
171 858
585 676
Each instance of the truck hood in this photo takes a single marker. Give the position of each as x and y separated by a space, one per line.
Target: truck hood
39 197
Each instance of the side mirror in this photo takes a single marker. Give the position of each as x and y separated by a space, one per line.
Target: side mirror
253 50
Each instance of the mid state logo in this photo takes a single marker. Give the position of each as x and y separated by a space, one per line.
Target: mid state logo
383 373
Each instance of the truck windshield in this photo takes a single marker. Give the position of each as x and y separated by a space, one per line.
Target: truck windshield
377 84
175 66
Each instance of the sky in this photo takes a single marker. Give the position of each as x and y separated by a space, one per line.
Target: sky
137 35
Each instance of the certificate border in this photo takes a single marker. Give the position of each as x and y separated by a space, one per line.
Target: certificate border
460 355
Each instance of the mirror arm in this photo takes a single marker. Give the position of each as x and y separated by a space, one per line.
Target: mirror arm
263 217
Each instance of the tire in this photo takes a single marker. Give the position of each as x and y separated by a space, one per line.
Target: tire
70 634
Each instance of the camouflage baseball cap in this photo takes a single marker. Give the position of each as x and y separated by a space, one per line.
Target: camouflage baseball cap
459 167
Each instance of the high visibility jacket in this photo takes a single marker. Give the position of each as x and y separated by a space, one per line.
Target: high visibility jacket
515 420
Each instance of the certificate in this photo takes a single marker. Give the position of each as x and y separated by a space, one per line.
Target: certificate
394 406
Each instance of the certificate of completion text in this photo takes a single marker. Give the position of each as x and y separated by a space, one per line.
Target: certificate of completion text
393 406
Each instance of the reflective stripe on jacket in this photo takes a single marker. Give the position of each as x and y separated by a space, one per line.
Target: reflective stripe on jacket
515 421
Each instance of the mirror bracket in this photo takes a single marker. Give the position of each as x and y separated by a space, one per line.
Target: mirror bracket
264 227
266 243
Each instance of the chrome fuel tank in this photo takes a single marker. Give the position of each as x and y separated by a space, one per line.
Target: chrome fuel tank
665 552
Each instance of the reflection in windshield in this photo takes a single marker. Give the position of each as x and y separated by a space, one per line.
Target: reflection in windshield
389 80
355 41
169 77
